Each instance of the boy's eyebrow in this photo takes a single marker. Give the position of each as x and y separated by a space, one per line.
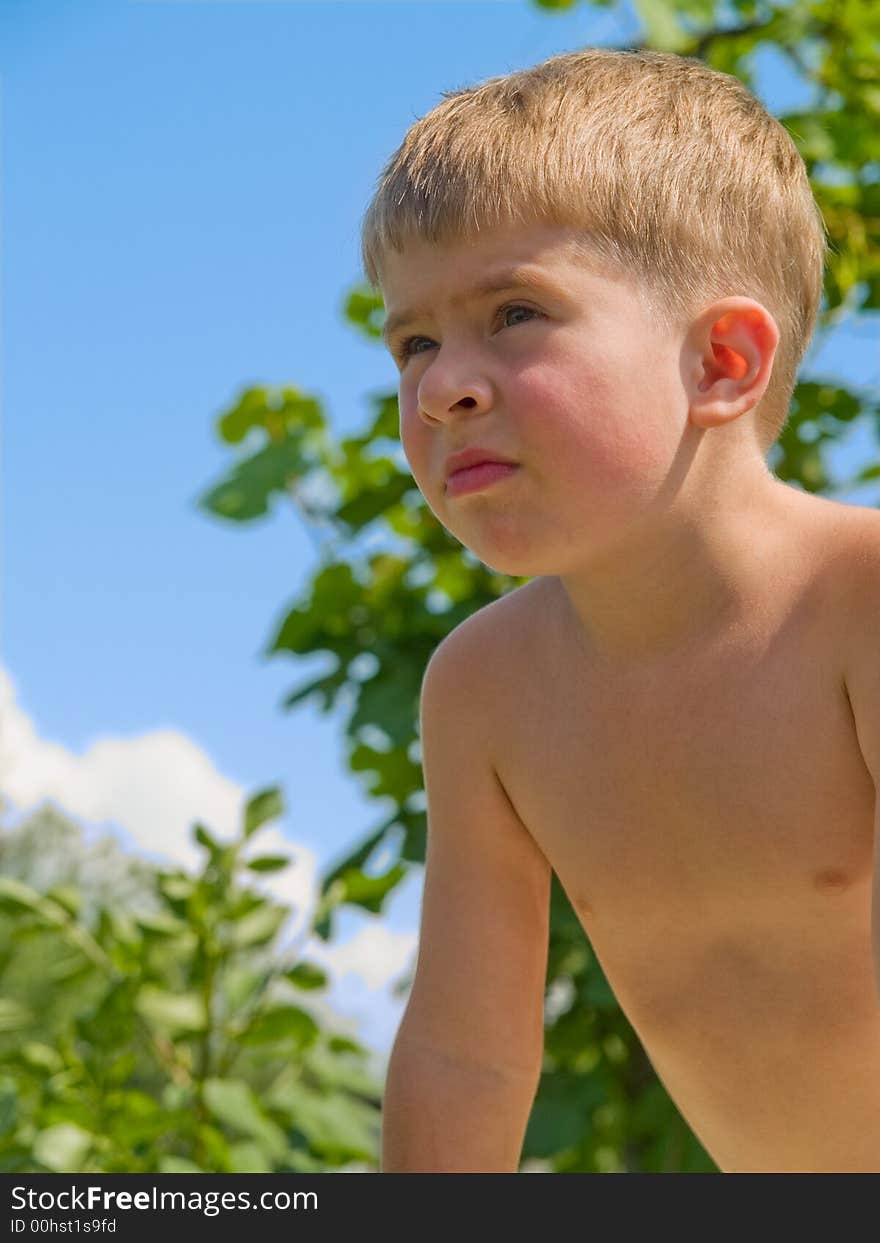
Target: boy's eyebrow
528 278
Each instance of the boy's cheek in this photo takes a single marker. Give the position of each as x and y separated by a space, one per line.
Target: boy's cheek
415 440
612 420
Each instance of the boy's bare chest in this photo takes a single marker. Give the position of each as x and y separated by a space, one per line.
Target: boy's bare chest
713 826
731 790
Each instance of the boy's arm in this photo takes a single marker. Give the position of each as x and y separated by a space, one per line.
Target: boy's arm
467 1058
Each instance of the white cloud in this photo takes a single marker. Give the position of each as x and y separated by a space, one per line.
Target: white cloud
150 789
152 786
375 953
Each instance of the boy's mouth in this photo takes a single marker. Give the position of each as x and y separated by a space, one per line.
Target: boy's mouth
474 456
481 475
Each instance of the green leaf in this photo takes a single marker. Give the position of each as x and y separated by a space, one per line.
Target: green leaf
17 898
69 970
233 1103
281 1023
176 885
42 1057
178 1012
260 926
269 863
178 1165
335 1126
111 1021
176 891
327 684
214 1147
381 489
247 490
67 897
8 1106
370 891
248 412
138 1119
13 1015
346 1073
357 857
63 1148
386 419
204 838
335 593
306 975
364 308
161 924
240 983
343 1044
263 807
248 1158
322 916
300 1161
391 771
271 410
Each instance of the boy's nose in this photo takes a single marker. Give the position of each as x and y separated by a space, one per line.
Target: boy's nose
444 400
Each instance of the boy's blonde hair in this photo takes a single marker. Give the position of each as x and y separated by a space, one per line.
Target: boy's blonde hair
672 172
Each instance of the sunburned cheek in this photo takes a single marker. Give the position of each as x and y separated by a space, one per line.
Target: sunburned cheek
589 424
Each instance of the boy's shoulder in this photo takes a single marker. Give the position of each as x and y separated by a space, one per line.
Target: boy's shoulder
865 528
483 642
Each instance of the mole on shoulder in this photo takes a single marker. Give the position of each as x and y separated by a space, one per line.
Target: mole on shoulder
582 904
831 880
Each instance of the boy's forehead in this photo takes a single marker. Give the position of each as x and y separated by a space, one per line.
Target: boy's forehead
425 275
420 259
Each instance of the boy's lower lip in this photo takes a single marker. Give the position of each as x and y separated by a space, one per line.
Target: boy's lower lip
474 478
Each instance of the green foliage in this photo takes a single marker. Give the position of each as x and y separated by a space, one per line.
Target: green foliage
171 1036
379 617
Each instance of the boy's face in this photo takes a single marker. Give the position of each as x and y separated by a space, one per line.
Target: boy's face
575 384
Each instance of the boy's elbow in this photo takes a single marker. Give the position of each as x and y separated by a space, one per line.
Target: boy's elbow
441 1115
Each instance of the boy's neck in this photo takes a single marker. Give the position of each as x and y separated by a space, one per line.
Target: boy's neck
699 567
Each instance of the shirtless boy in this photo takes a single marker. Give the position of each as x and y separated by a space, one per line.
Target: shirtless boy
604 272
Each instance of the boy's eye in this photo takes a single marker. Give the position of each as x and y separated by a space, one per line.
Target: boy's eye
405 348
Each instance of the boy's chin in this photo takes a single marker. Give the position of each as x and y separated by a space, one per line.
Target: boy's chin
510 564
507 550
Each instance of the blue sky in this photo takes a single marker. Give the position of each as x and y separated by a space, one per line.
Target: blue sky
182 188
